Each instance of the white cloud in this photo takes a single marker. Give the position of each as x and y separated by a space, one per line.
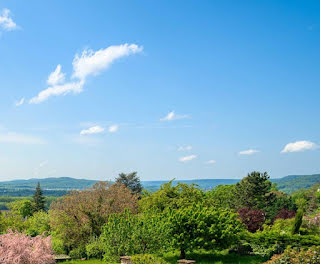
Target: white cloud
211 162
187 158
88 63
300 146
185 148
92 130
20 102
12 137
56 77
62 89
93 62
6 22
113 128
248 152
172 116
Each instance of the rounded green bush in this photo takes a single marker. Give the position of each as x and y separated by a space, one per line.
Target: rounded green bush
147 259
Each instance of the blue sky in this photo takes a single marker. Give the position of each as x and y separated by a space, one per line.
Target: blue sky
171 89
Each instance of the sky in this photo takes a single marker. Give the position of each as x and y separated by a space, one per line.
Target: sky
170 89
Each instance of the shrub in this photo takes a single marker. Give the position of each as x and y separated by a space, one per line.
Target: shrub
297 222
294 256
269 242
147 259
78 253
252 218
285 214
57 246
95 248
22 249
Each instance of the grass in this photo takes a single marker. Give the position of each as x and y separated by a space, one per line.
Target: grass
200 257
220 257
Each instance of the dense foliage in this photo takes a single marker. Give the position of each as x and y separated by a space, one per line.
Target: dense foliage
111 220
295 256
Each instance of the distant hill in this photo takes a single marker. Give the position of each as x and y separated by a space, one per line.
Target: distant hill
50 186
205 184
63 183
292 183
60 186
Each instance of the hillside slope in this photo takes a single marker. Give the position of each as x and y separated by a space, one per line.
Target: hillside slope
293 183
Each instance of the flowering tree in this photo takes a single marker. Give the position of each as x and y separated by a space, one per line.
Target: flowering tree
19 248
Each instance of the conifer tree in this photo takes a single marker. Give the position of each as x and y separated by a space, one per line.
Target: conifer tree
297 222
38 199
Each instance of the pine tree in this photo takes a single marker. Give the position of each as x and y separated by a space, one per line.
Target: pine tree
38 199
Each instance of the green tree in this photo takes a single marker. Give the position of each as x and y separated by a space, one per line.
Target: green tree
80 215
131 181
130 234
251 190
24 207
38 199
178 196
202 227
223 196
38 224
297 222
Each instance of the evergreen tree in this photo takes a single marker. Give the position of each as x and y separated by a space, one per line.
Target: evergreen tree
297 222
38 199
131 181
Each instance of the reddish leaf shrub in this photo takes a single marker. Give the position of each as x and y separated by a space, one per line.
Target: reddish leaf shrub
252 218
19 248
285 214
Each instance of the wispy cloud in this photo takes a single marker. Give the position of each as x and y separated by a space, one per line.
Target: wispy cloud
173 116
113 128
63 89
211 162
12 137
299 146
248 152
6 22
92 130
56 77
93 62
187 158
88 63
185 148
20 102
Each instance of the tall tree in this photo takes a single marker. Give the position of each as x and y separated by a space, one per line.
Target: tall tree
39 199
131 181
251 190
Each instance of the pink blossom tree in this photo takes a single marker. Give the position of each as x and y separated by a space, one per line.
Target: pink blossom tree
19 248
